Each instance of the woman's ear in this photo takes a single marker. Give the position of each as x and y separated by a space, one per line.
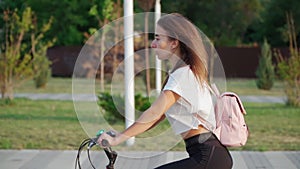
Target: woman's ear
174 44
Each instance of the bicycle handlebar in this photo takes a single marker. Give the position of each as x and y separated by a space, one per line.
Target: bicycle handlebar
112 155
104 142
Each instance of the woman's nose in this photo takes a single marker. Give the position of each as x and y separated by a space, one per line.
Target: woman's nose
153 44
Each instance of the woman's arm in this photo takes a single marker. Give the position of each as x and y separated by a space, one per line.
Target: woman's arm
158 121
148 119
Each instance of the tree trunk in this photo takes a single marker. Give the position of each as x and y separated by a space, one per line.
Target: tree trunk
7 90
116 39
102 48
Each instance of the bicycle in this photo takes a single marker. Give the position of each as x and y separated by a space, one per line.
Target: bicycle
90 142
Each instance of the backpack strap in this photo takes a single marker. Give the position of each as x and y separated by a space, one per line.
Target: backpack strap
214 89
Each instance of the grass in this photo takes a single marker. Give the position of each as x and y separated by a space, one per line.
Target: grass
248 87
272 127
64 85
49 124
28 124
45 124
55 85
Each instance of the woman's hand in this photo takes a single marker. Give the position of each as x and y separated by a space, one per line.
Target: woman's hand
112 141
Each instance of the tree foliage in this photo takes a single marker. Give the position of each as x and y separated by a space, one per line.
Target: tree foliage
223 21
70 18
272 22
226 22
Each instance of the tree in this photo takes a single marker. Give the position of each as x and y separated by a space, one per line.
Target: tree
17 58
147 6
288 67
105 11
265 71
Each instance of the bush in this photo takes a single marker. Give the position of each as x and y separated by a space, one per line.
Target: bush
43 72
42 79
265 71
114 106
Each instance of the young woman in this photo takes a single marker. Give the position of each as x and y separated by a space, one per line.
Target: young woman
185 98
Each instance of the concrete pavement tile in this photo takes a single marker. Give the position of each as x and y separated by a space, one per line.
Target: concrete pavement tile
279 160
238 160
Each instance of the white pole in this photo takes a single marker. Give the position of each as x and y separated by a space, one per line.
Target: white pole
129 66
157 61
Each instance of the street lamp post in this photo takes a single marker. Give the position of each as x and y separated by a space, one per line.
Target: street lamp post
157 61
129 66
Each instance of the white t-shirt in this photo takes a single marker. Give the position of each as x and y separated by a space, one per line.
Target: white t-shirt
195 101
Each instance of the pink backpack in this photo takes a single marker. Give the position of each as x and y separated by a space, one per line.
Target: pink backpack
231 128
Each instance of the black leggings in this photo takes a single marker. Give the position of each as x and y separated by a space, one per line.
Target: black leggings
205 152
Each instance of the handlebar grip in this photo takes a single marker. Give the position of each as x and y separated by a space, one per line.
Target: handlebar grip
105 143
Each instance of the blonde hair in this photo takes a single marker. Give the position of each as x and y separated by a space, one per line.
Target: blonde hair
190 43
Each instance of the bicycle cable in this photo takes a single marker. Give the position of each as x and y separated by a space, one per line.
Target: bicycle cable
112 155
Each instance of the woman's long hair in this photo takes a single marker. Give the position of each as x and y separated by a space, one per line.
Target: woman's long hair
190 42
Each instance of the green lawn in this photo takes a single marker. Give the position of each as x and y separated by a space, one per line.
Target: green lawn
48 124
248 87
44 124
55 85
39 124
64 85
272 127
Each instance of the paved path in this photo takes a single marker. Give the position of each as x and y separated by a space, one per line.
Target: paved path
46 159
90 97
